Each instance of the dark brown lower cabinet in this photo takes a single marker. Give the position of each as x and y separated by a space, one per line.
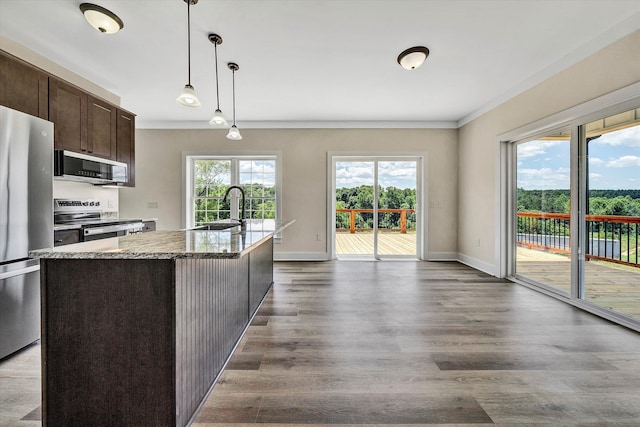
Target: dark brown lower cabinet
141 341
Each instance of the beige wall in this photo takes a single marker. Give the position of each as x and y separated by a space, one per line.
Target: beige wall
304 176
613 68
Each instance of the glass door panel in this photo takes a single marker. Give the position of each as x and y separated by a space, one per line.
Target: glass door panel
543 250
611 268
354 208
396 225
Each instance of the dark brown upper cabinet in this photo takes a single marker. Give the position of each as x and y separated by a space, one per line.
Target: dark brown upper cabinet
101 128
82 122
23 87
125 147
68 112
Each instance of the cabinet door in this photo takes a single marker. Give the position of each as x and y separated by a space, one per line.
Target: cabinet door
23 87
68 112
65 237
101 128
125 144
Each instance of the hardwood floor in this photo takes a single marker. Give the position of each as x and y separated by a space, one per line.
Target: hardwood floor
389 343
404 343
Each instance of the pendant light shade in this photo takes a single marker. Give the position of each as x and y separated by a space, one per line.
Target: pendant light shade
413 57
188 96
218 120
101 19
234 132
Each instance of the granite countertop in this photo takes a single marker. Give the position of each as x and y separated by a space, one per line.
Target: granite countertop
230 243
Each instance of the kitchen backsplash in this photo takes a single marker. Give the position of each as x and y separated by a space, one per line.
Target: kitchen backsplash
108 197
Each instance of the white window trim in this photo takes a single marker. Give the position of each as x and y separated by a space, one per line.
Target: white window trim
187 176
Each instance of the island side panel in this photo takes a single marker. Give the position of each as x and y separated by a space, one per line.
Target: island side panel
260 273
108 341
211 313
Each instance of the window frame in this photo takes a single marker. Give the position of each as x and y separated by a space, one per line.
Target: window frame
188 159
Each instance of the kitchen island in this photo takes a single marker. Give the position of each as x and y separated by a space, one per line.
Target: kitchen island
136 329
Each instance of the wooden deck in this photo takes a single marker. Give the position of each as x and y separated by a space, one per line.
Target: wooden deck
607 285
361 243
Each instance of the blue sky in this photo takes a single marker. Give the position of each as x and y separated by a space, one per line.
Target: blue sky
390 174
614 162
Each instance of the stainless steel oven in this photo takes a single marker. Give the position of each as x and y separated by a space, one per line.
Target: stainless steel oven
112 229
86 216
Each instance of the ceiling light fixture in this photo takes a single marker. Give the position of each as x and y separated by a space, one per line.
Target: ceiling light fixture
101 19
413 57
218 120
188 96
234 132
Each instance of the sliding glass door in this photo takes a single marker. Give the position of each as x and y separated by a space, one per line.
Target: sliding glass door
375 207
575 212
543 222
611 268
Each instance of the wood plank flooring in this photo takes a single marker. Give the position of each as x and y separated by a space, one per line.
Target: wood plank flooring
404 343
418 343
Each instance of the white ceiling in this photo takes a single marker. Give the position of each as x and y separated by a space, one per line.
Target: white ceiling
321 63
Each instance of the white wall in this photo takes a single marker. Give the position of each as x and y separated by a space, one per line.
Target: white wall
304 176
614 67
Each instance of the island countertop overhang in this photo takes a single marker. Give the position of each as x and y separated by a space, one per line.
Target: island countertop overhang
215 244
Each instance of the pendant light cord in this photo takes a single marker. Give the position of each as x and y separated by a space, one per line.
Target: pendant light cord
189 39
215 49
233 76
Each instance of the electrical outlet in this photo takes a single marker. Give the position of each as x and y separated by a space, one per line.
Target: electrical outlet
478 242
319 237
152 205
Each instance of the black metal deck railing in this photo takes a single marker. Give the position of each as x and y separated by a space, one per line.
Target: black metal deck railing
609 237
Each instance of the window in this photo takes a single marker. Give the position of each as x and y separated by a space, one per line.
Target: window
209 177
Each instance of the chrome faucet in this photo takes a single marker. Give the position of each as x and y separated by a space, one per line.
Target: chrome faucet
243 218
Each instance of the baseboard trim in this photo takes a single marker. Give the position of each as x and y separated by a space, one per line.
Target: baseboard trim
442 256
301 256
477 264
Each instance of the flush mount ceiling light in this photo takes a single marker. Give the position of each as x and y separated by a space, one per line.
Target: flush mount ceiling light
188 96
413 57
101 19
234 132
218 120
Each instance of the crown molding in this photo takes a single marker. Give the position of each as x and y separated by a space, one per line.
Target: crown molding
152 124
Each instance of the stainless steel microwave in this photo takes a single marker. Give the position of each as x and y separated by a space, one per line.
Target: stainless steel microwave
79 167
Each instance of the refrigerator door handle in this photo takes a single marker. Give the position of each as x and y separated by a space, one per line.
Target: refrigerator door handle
19 272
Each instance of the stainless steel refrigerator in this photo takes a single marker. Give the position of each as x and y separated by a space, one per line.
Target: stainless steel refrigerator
26 223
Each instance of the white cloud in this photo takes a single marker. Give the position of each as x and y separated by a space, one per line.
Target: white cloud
594 161
543 178
629 137
624 162
535 148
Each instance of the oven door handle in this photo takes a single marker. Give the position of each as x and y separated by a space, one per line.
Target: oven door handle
92 231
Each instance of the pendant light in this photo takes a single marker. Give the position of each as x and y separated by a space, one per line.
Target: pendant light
101 19
188 96
218 120
234 132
